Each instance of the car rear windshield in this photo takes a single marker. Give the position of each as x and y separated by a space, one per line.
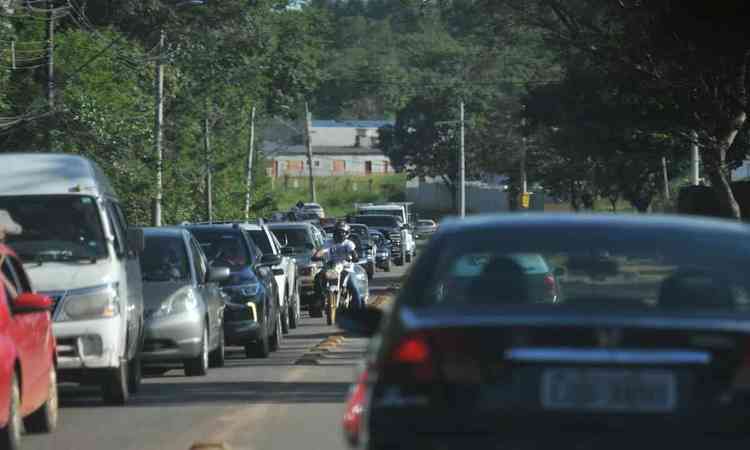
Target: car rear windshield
589 268
164 259
377 221
223 247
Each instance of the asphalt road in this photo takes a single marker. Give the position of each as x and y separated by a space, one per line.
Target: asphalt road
292 400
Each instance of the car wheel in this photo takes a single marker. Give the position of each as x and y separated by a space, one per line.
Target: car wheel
399 262
135 375
10 434
408 257
115 385
44 419
292 317
388 266
259 349
370 271
218 356
285 319
275 343
198 366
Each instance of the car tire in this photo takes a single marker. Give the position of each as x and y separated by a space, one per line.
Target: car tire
275 340
115 385
135 375
259 349
316 312
285 319
44 419
292 317
408 257
399 262
198 366
218 356
370 271
388 266
10 434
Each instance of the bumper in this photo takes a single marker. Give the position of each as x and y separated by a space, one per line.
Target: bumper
241 332
89 344
172 338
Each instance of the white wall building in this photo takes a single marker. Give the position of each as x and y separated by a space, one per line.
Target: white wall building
339 148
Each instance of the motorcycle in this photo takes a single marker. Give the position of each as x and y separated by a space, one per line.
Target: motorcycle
337 295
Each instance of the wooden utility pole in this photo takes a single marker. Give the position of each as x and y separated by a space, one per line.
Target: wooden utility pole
249 175
695 160
51 55
308 144
462 167
158 132
209 178
665 175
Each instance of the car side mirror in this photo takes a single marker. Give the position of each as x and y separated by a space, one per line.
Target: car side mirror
560 272
363 322
278 272
29 302
270 260
136 240
217 274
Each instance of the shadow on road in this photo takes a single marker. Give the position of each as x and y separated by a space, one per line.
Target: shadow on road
165 394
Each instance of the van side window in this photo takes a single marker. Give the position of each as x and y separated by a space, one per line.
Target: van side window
116 225
23 281
10 281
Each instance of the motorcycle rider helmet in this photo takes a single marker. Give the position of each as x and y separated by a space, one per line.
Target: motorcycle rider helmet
341 232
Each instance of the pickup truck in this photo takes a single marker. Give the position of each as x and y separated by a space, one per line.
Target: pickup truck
285 274
394 230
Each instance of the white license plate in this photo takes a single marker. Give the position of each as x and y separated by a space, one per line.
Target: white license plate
610 390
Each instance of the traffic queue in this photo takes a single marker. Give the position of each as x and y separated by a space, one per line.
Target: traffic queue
89 299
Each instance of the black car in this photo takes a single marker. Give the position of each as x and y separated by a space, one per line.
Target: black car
252 318
653 351
391 227
383 254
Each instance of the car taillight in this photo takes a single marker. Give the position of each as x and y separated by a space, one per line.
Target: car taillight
355 408
550 284
440 355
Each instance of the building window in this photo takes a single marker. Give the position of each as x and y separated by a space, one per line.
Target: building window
295 166
317 163
368 167
339 166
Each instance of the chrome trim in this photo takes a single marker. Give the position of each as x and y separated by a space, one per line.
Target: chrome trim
608 356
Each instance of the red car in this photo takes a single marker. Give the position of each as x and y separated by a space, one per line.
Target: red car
28 381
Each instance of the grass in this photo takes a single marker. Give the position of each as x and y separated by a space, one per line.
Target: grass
337 195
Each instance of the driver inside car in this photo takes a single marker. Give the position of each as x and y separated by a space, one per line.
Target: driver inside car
341 250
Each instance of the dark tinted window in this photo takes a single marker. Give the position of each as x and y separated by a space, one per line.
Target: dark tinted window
297 238
261 240
223 247
377 221
165 259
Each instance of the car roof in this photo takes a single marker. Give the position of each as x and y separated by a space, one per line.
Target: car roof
251 226
384 207
387 216
655 222
213 227
164 231
290 225
50 174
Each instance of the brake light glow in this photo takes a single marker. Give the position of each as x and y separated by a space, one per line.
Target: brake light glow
355 408
414 350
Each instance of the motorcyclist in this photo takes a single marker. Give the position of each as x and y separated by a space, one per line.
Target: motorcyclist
339 251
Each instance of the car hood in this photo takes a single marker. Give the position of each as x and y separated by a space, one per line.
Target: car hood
55 276
154 293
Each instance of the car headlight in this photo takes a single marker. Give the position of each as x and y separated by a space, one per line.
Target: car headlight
94 303
250 290
179 303
332 275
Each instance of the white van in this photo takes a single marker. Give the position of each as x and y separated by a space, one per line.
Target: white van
77 248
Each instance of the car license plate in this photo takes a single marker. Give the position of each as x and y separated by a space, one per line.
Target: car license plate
610 390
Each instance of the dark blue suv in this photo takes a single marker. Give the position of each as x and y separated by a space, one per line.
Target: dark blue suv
252 317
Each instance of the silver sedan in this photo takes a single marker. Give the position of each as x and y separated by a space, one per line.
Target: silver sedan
183 303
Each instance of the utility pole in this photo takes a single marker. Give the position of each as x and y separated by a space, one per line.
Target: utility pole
158 132
523 175
249 178
665 176
462 167
308 144
51 55
695 160
209 180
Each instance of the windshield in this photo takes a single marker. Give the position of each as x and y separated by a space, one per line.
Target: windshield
377 221
295 238
428 223
382 212
260 239
223 248
590 270
164 259
56 228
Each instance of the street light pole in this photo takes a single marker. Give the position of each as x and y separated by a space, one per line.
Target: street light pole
158 132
